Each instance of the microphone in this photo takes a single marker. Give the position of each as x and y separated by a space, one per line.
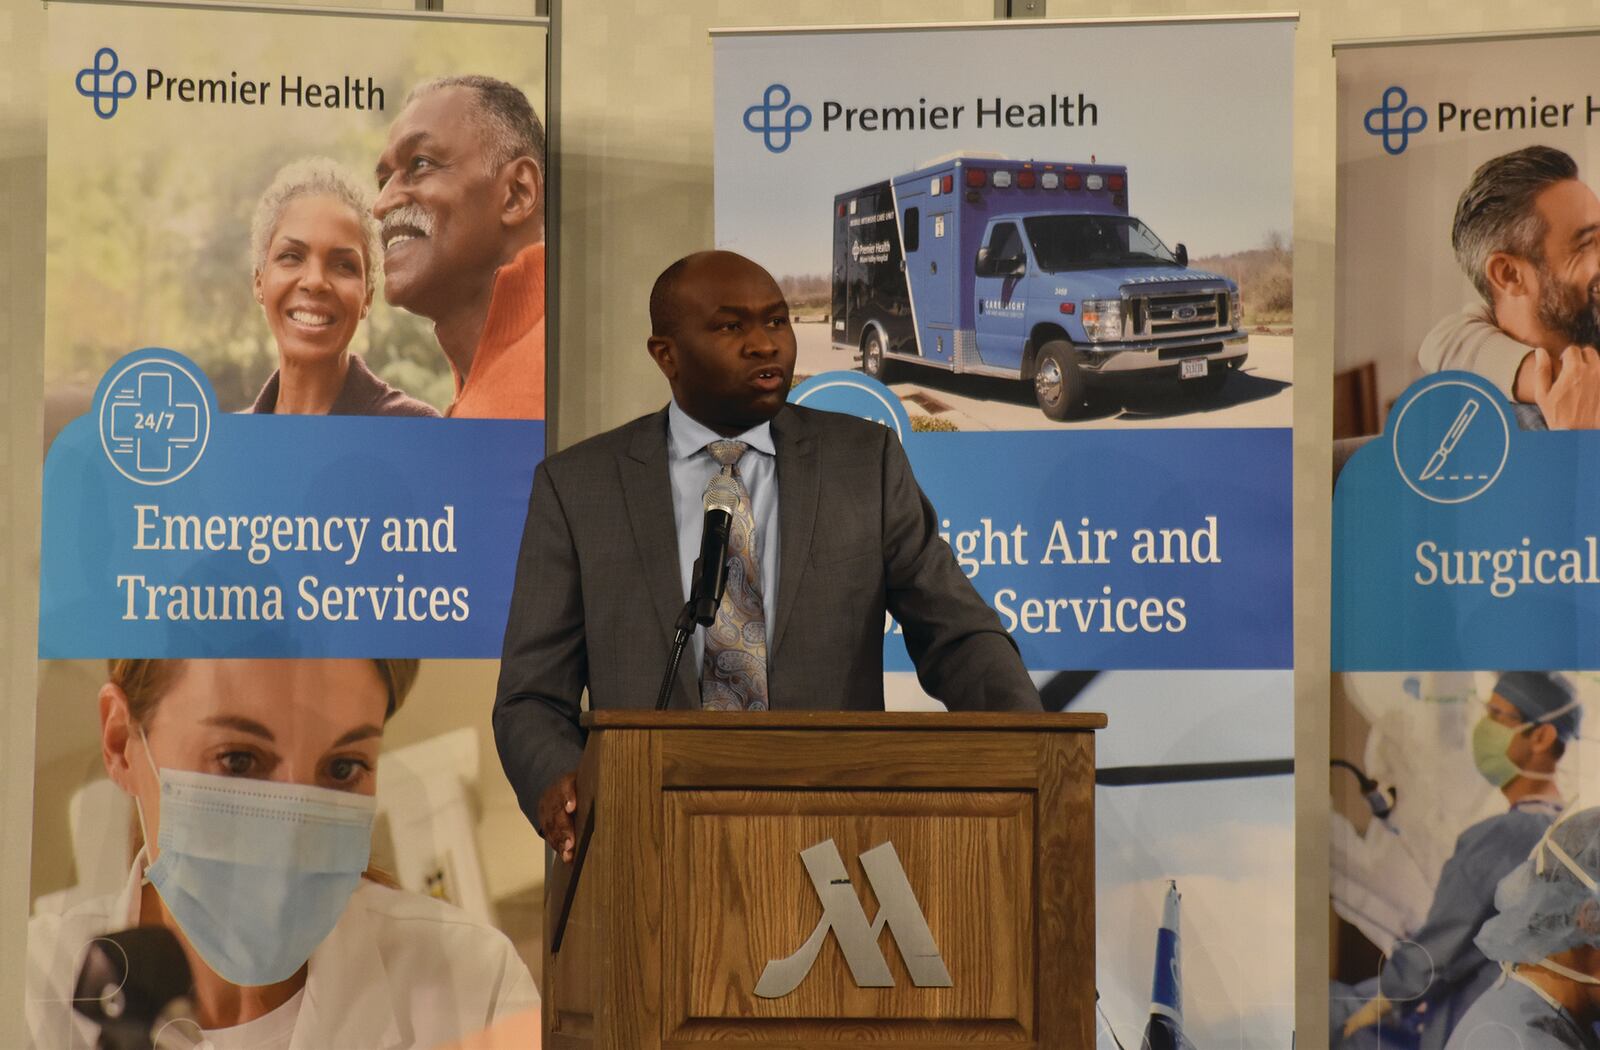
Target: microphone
711 570
137 987
708 578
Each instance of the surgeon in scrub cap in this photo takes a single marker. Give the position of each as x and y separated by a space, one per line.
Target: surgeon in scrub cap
1543 698
1433 977
1546 940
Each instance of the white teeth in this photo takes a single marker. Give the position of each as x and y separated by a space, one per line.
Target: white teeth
399 238
307 317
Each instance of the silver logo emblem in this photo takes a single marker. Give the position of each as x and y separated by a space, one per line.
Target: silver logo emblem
1187 313
858 939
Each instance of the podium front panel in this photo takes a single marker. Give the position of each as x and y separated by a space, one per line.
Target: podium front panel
826 881
950 960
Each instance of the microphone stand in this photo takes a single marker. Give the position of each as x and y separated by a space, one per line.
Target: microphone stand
682 631
722 498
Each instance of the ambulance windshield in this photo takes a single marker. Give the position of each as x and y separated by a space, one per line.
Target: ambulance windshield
1092 242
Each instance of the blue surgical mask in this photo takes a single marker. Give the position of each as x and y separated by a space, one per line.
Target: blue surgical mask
255 872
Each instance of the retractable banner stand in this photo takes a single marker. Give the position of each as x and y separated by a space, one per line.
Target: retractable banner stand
1057 260
1465 557
295 394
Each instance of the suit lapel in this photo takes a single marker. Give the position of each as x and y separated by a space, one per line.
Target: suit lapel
798 481
647 491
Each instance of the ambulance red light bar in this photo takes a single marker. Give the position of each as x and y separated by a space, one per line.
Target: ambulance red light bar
1025 180
977 177
1115 182
949 183
1072 181
841 211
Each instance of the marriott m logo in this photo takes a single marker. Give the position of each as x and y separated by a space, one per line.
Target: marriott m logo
858 939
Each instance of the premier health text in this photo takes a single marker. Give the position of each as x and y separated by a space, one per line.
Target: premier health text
290 92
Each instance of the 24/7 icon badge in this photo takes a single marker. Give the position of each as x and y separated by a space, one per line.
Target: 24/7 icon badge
155 416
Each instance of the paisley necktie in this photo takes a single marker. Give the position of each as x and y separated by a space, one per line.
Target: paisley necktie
733 675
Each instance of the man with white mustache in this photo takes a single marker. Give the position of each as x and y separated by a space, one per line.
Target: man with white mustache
1527 233
461 202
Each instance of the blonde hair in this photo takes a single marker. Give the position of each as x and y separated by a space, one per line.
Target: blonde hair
311 177
145 682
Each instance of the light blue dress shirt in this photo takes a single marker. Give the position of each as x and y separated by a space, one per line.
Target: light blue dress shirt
691 469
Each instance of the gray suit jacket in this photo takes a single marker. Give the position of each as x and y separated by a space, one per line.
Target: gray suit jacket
598 590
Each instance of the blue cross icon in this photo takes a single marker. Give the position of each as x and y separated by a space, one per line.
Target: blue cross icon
777 134
1380 120
104 84
154 421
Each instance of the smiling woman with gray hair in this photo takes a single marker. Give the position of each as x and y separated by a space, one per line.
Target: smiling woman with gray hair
314 249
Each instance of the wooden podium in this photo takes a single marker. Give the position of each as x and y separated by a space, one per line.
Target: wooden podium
689 879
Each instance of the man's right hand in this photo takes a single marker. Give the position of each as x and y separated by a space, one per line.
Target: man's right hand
1569 393
556 807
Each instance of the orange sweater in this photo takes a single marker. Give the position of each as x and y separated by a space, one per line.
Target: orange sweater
507 376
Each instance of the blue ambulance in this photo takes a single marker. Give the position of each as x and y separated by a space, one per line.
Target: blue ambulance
1028 270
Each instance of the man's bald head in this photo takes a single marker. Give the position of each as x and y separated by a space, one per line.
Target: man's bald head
666 295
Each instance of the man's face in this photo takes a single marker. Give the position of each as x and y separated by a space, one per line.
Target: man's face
731 356
442 234
1526 742
1569 274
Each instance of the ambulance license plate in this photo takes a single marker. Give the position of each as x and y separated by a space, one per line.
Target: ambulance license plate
1193 368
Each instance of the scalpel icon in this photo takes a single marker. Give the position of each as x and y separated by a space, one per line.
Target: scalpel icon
1447 446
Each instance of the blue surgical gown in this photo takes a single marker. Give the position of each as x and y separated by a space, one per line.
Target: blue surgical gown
1439 965
1514 1017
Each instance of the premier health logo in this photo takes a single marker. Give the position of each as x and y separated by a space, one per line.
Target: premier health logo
93 83
1381 120
778 134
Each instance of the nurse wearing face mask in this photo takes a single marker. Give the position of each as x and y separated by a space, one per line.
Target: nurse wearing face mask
1546 940
1433 978
254 781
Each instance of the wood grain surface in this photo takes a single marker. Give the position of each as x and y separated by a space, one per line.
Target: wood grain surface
737 895
1065 873
630 784
693 880
778 758
855 721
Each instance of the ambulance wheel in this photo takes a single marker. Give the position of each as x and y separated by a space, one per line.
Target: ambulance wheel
1057 383
872 360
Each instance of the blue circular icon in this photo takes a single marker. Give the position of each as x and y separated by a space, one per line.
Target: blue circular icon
155 419
854 394
1451 440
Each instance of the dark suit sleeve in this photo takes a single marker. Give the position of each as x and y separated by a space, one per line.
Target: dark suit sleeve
544 661
963 656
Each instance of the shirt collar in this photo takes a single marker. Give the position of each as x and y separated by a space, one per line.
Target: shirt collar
687 435
1548 794
127 903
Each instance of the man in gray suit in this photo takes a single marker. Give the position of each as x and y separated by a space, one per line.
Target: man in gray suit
834 532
